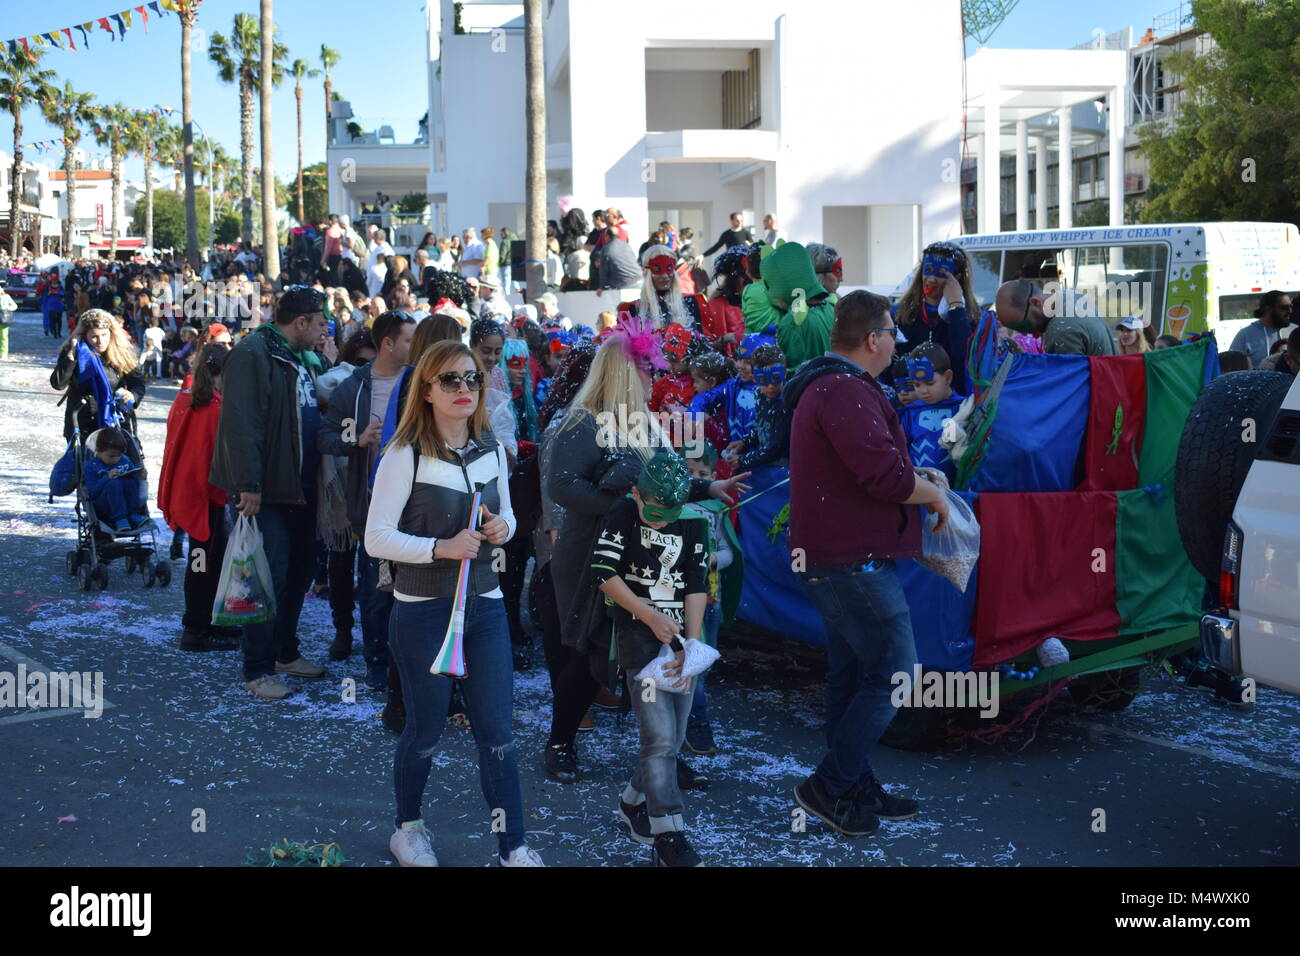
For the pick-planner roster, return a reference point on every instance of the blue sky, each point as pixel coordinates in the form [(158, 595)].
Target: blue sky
[(382, 70)]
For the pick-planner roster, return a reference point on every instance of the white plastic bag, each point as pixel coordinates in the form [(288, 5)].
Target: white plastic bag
[(952, 552), (699, 658), (245, 592)]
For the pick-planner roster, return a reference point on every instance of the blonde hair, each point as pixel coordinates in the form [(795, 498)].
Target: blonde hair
[(120, 353), (418, 424), (607, 320), (613, 381), (1139, 346), (400, 265), (649, 307)]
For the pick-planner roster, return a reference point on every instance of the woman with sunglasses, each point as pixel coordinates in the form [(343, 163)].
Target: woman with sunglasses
[(419, 519)]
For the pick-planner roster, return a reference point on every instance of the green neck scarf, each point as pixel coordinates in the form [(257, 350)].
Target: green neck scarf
[(305, 357)]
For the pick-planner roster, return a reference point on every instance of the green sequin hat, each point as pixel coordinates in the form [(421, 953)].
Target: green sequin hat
[(665, 479)]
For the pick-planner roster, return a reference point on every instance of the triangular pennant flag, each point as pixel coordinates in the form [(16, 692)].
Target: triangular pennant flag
[(144, 17), (171, 5), (13, 47), (155, 8), (120, 25), (39, 41), (126, 16), (26, 48), (103, 22), (85, 38), (67, 31), (52, 39)]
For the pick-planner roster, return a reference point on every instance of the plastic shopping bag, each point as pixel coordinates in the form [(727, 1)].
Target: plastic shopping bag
[(245, 592), (699, 658), (952, 552)]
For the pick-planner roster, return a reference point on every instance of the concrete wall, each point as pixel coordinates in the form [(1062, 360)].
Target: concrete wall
[(683, 100)]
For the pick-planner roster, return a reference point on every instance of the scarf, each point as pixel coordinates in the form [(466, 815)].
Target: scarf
[(306, 357), (332, 525), (93, 379)]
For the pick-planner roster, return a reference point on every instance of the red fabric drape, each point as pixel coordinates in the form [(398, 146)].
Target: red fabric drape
[(1041, 574), (1118, 381)]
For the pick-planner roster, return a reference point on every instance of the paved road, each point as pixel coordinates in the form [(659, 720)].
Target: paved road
[(1182, 780)]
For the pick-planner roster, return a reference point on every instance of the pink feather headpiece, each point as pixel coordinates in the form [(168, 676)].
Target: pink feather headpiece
[(640, 346)]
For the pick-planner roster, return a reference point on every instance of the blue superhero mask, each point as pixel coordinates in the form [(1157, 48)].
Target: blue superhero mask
[(910, 370), (769, 374), (936, 264)]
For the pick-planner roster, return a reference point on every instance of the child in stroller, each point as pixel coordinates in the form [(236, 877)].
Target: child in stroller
[(117, 488), (113, 511)]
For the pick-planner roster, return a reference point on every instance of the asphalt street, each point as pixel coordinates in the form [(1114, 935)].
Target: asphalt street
[(1182, 779)]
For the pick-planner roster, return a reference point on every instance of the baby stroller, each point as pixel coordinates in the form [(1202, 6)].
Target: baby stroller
[(98, 542)]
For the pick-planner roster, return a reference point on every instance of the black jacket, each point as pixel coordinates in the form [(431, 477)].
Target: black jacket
[(259, 445), (81, 403), (346, 418)]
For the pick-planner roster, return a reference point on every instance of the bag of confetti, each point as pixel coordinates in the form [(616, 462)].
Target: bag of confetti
[(952, 552)]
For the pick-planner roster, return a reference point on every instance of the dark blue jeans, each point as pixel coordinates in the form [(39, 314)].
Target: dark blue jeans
[(376, 607), (416, 633), (868, 640), (289, 540), (119, 498)]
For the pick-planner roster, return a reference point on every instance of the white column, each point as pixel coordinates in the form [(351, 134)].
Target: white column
[(1022, 175), (1115, 189), (990, 163), (1040, 184), (1065, 169), (981, 180)]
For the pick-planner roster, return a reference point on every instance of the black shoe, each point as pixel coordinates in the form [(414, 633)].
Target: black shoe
[(341, 646), (637, 819), (844, 814), (885, 805), (562, 763), (192, 640), (699, 739), (395, 714), (688, 779), (377, 677), (229, 633), (671, 849), (178, 545)]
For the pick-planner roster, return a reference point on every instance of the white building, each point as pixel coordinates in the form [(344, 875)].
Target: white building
[(821, 113), (94, 201), (39, 230)]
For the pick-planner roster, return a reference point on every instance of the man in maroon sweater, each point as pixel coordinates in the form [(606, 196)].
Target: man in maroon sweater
[(852, 495)]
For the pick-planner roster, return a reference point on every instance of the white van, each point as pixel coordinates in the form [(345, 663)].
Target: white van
[(1183, 277)]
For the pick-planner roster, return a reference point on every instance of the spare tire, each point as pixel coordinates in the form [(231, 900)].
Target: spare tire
[(1213, 458)]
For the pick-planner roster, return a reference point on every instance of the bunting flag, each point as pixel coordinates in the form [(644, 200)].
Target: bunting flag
[(115, 24)]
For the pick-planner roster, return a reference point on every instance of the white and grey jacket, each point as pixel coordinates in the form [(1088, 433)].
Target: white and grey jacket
[(412, 507)]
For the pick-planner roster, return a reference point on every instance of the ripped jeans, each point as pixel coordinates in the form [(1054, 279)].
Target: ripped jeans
[(416, 631)]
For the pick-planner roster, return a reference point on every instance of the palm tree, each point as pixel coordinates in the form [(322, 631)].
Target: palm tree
[(328, 60), (270, 243), (188, 10), (238, 60), (300, 72), (169, 151), (21, 81), (535, 70), (143, 137), (67, 109), (114, 128)]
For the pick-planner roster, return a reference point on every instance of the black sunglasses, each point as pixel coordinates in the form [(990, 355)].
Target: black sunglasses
[(451, 381)]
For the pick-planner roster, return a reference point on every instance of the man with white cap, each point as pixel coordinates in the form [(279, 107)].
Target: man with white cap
[(490, 298), (549, 307)]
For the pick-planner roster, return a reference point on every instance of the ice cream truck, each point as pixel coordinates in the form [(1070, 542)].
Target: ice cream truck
[(1182, 278)]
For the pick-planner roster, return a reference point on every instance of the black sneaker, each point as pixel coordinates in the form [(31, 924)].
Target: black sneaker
[(637, 819), (844, 814), (688, 779), (377, 677), (671, 849), (699, 738), (341, 647), (562, 763), (884, 804), (192, 640)]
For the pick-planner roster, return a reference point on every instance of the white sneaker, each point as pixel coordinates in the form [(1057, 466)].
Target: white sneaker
[(268, 688), (411, 845), (521, 856)]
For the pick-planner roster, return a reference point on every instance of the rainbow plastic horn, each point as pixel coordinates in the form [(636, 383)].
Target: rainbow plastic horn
[(451, 656)]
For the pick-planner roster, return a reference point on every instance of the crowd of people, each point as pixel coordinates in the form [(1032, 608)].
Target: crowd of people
[(356, 413)]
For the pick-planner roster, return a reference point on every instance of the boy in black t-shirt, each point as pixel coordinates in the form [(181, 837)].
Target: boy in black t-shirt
[(653, 569)]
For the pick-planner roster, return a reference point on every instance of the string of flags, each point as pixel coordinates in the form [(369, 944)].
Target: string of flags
[(114, 24), (62, 143)]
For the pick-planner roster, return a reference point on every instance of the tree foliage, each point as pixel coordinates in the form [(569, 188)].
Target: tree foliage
[(169, 219), (315, 194), (1231, 153)]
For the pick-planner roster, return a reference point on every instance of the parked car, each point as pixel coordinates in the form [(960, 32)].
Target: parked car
[(1237, 498), (21, 287)]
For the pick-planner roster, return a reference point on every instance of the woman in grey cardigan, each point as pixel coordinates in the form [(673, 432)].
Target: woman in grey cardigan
[(594, 462)]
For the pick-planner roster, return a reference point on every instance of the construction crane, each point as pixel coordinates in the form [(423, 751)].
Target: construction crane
[(981, 18)]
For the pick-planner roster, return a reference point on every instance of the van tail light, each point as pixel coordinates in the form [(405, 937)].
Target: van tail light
[(1230, 569)]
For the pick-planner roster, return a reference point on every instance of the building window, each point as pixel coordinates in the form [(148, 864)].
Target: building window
[(740, 96)]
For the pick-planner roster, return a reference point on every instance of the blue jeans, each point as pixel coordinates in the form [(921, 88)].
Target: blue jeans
[(119, 498), (376, 607), (868, 640), (708, 634), (416, 633), (662, 723), (289, 541)]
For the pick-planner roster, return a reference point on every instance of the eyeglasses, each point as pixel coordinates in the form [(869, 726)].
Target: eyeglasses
[(891, 329), (451, 382)]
